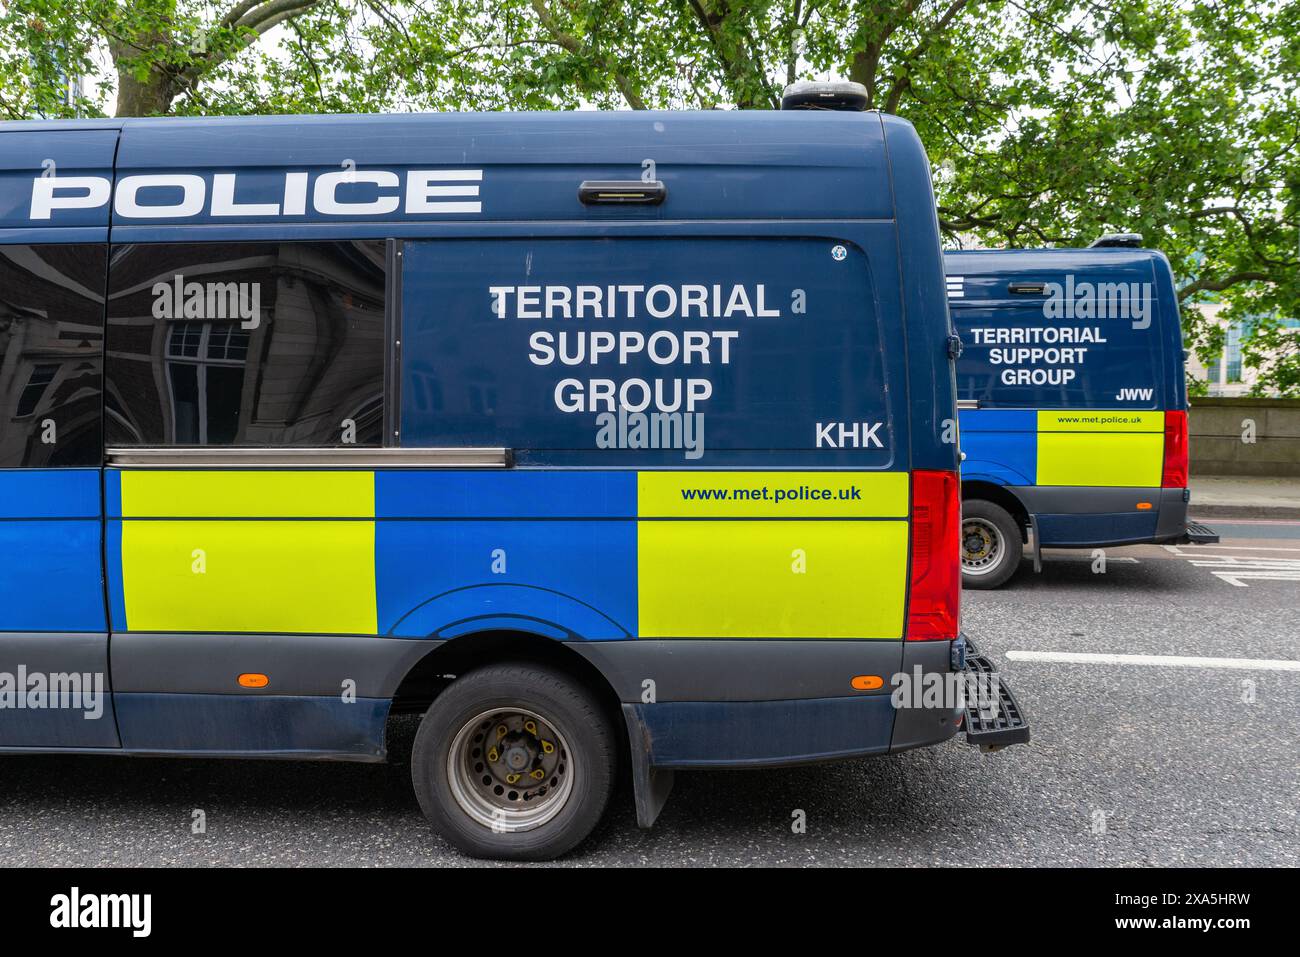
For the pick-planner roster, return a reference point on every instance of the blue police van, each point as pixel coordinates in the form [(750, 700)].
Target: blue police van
[(1073, 402), (602, 441)]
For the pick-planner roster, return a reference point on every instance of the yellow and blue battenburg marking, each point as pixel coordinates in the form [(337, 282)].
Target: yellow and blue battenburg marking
[(1084, 448), (570, 554)]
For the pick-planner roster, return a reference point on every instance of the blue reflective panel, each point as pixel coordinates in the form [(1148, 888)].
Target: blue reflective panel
[(49, 551)]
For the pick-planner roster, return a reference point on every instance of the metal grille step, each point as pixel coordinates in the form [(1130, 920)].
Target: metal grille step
[(989, 730)]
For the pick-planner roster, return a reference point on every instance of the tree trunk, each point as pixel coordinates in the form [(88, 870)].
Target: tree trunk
[(152, 97), (144, 85)]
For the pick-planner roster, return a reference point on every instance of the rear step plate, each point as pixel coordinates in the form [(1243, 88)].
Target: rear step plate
[(1198, 534), (990, 725)]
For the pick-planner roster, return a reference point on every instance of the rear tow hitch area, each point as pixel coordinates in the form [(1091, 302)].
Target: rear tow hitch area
[(993, 718), (1198, 534)]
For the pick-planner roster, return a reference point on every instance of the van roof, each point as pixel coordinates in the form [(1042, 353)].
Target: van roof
[(746, 164), (750, 138), (1014, 261)]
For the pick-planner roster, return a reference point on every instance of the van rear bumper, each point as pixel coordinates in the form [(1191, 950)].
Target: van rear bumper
[(1090, 517)]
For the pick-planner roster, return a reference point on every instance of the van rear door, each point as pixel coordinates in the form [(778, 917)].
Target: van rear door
[(743, 388)]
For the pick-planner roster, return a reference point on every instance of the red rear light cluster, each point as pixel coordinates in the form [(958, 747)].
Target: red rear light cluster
[(1174, 474), (934, 601)]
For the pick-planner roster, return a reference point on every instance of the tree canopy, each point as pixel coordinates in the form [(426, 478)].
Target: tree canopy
[(1048, 122)]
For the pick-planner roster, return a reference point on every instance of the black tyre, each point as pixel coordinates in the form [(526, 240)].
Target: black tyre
[(991, 546), (514, 762)]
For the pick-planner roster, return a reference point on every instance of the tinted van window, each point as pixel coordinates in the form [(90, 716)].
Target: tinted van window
[(246, 344), (645, 351), (51, 351), (1054, 338)]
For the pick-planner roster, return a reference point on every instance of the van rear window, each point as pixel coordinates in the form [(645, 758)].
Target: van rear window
[(644, 351), (1060, 341)]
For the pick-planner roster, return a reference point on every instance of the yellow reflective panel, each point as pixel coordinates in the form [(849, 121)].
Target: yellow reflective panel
[(1101, 448), (219, 493), (772, 579), (260, 576)]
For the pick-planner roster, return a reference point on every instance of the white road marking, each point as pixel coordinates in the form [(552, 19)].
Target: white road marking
[(1192, 549), (1175, 661), (1055, 557), (1238, 578), (1237, 570)]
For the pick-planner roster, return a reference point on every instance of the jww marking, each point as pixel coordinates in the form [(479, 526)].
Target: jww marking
[(179, 299), (186, 195)]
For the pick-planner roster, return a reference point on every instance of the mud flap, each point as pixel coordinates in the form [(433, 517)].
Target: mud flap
[(650, 786), (1038, 548)]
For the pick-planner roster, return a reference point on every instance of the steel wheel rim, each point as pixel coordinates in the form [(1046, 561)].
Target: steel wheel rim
[(982, 546), (481, 781)]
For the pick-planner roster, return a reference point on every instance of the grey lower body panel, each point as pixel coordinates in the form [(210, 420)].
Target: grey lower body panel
[(739, 669), (1091, 517), (919, 726), (299, 665), (736, 703), (55, 691), (327, 696), (282, 725)]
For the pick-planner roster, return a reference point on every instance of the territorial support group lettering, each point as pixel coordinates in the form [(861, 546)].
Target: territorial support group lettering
[(634, 411)]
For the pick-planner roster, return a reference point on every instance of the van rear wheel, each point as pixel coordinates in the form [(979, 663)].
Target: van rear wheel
[(514, 762), (990, 544)]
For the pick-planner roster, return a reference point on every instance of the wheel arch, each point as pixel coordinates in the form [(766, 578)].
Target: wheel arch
[(1001, 496), (456, 656)]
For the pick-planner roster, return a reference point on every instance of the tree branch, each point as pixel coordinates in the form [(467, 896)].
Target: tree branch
[(254, 19), (902, 80), (1218, 285), (737, 65), (570, 43)]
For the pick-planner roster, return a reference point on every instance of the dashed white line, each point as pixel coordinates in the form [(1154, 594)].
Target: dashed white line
[(1173, 661)]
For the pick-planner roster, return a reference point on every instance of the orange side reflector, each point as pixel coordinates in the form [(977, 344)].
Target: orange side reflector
[(253, 680), (1143, 506), (867, 682)]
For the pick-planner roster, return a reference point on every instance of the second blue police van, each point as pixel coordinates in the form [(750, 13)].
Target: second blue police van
[(1073, 402)]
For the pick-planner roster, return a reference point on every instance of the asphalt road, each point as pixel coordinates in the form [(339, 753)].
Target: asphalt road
[(1130, 764)]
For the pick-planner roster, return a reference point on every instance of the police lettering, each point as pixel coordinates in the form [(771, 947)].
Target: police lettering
[(344, 192)]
